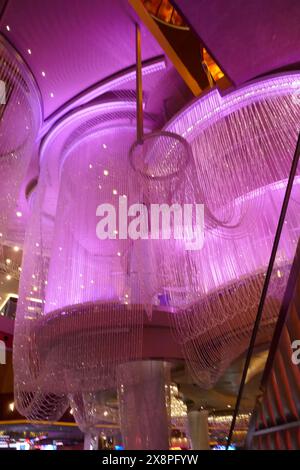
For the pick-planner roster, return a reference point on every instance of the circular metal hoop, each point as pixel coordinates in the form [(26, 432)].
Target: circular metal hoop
[(154, 135)]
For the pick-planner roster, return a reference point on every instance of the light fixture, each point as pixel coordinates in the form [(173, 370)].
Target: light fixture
[(104, 146), (11, 406), (19, 214), (119, 254), (7, 27), (8, 277), (29, 51), (16, 248), (8, 261), (106, 172), (51, 95), (43, 74), (115, 192)]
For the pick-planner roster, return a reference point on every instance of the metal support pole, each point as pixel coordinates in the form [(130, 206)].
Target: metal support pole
[(139, 88)]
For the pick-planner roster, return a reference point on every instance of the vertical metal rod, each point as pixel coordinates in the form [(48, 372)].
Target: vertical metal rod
[(265, 287), (139, 88)]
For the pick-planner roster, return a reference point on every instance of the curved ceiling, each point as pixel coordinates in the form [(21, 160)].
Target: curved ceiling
[(72, 44)]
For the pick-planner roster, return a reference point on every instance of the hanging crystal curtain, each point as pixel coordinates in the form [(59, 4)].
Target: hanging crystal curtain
[(83, 296), (20, 118), (242, 146), (35, 397), (81, 311)]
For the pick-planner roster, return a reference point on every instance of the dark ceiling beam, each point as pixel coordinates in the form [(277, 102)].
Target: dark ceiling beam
[(170, 48)]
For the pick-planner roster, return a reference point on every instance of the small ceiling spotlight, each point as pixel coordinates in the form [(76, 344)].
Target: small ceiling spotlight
[(8, 277), (19, 214), (29, 51), (7, 27), (106, 172)]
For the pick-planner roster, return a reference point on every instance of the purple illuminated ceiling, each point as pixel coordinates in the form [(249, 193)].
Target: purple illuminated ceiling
[(76, 43), (247, 39)]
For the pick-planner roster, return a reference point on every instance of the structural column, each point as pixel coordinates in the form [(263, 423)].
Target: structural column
[(90, 442), (198, 429), (142, 401)]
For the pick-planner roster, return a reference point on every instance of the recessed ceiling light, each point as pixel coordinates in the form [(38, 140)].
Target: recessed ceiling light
[(29, 51), (16, 248), (90, 166), (104, 146), (119, 254), (51, 95), (8, 277), (8, 27), (8, 261), (228, 406), (19, 214), (106, 172), (115, 192), (43, 73)]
